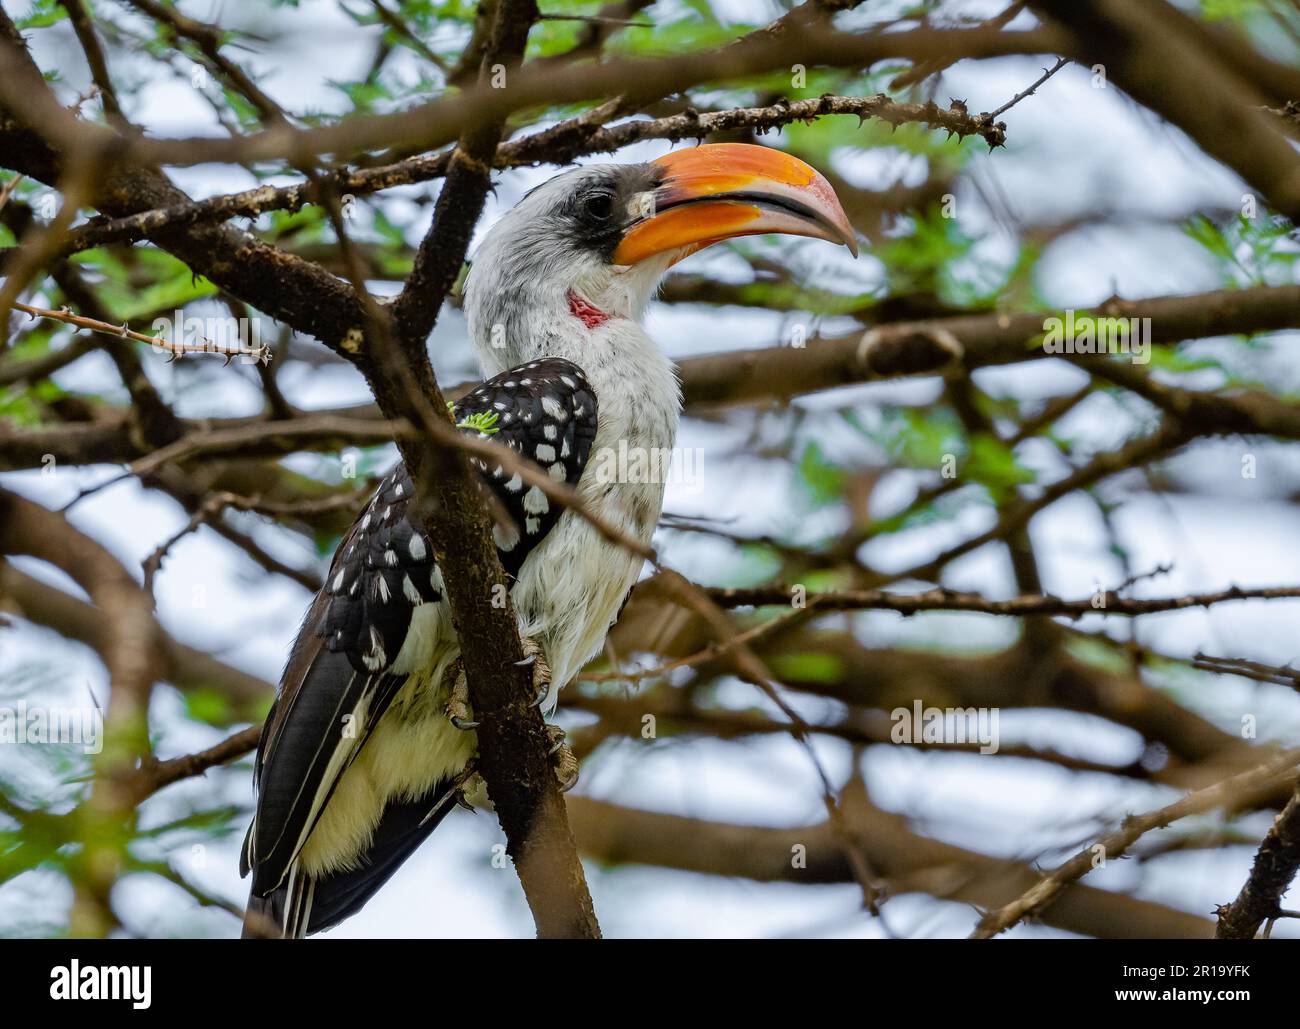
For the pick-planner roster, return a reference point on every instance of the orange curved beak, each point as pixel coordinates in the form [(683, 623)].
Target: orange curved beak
[(722, 190)]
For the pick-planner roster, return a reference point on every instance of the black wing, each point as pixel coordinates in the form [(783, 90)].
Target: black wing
[(546, 412), (335, 686)]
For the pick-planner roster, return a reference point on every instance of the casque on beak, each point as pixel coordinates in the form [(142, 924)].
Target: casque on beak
[(722, 190)]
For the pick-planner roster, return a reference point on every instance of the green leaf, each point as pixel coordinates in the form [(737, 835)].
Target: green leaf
[(810, 667), (43, 14), (208, 705), (481, 421), (823, 479), (993, 464)]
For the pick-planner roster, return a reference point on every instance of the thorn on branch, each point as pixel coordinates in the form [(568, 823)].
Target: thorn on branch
[(261, 354)]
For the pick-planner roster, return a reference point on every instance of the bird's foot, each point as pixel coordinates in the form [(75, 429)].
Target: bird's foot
[(458, 709), (458, 712), (563, 763), (473, 794), (541, 670)]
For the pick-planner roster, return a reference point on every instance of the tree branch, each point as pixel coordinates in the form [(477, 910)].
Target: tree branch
[(1237, 790), (779, 373), (1184, 80), (513, 747), (909, 862), (131, 652), (1102, 603), (558, 144), (1275, 866), (442, 120)]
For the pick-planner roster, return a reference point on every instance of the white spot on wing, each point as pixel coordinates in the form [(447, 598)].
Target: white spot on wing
[(505, 536), (375, 658), (535, 501)]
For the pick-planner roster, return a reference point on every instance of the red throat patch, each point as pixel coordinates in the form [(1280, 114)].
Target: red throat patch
[(588, 313)]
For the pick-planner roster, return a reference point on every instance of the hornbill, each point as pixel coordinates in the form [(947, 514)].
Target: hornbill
[(371, 736)]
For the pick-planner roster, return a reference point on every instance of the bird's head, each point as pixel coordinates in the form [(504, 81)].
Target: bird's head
[(592, 244)]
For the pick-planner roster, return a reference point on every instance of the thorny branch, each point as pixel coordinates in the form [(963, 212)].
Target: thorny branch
[(176, 348), (558, 144)]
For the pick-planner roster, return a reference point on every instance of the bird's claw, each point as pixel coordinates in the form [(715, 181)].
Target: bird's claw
[(563, 763), (458, 712), (458, 709), (541, 670)]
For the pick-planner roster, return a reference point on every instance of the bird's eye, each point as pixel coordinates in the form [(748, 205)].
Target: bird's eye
[(598, 205)]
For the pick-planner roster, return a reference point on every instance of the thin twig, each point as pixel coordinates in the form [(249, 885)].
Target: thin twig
[(1232, 790), (175, 349), (1101, 603), (595, 19), (399, 26), (6, 191), (1277, 675), (1061, 62)]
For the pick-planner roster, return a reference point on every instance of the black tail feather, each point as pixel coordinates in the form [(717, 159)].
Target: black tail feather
[(315, 905)]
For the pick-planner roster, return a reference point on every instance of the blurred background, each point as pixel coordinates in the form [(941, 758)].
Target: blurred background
[(1091, 197)]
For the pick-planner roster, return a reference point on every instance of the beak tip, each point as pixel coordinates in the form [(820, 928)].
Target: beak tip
[(736, 189)]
